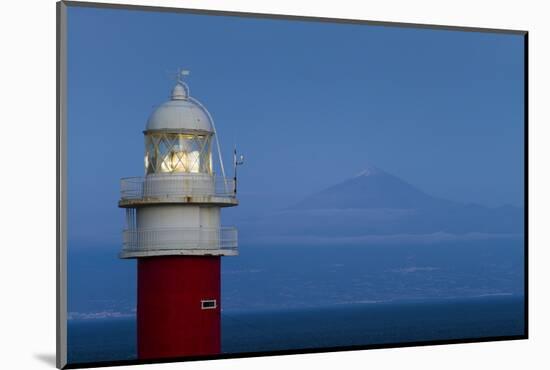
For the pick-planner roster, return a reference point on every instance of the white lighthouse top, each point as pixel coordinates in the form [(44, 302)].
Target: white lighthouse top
[(181, 112)]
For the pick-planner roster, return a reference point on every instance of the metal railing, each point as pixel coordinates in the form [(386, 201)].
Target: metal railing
[(224, 238), (176, 185)]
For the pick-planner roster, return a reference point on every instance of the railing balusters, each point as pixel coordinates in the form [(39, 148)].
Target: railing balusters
[(170, 238), (176, 185)]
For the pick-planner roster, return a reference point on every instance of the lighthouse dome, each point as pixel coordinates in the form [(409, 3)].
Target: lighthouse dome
[(181, 112)]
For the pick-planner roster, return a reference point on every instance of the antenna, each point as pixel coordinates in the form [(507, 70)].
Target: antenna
[(236, 162)]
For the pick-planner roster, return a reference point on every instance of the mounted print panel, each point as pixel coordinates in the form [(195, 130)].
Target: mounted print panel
[(245, 184)]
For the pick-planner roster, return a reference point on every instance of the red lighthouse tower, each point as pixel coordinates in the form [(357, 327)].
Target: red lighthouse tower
[(173, 229)]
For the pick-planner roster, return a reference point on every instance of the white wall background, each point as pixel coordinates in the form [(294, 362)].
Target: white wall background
[(27, 267)]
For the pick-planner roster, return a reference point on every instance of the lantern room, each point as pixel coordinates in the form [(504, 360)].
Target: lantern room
[(178, 136)]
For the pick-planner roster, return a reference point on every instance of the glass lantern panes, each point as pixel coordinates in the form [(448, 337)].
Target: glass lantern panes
[(178, 152)]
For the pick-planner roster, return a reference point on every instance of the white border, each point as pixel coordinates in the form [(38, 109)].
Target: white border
[(28, 206)]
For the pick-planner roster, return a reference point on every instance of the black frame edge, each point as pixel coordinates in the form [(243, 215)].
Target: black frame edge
[(526, 180)]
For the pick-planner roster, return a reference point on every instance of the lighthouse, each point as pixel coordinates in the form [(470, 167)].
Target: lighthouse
[(173, 229)]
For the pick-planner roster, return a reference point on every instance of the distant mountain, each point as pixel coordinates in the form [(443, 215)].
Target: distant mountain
[(375, 205), (372, 188)]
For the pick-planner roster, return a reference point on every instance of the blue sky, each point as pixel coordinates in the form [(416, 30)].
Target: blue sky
[(310, 104)]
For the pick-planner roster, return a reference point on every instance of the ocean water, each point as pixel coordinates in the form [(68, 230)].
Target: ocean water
[(367, 323), (285, 277)]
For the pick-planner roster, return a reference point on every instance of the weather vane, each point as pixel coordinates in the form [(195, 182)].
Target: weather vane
[(179, 74), (182, 72)]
